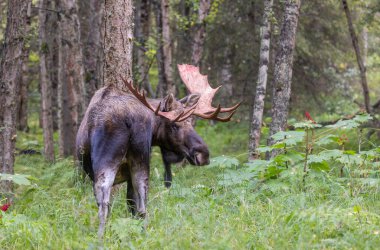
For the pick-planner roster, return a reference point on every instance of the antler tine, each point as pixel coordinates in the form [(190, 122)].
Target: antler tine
[(170, 115), (233, 108), (197, 83), (225, 119), (186, 115), (139, 95), (213, 115)]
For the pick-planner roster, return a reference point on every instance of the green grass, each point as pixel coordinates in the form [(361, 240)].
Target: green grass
[(59, 211)]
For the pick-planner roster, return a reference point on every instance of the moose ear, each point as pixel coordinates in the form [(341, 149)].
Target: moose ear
[(189, 100), (168, 103)]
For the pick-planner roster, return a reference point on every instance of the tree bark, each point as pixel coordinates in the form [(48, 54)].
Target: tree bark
[(161, 86), (12, 58), (167, 47), (45, 80), (118, 42), (22, 114), (142, 27), (258, 105), (200, 32), (164, 50), (362, 68), (53, 60), (91, 22), (70, 77), (283, 70)]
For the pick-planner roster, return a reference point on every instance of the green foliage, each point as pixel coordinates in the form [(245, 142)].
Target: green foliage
[(228, 205), (19, 179)]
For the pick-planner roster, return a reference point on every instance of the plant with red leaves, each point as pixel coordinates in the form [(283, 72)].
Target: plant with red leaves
[(308, 117), (5, 207)]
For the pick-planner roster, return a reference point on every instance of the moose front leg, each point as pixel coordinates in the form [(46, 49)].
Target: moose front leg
[(138, 189), (168, 175)]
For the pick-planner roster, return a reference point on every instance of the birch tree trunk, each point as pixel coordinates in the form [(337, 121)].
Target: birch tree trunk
[(70, 77), (200, 32), (362, 68), (45, 81), (118, 42), (91, 23), (283, 70), (261, 87), (12, 57)]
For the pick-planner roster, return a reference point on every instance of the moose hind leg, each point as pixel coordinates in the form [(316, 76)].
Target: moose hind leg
[(107, 152), (102, 189)]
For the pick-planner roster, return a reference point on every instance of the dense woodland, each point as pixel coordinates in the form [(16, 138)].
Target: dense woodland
[(297, 165)]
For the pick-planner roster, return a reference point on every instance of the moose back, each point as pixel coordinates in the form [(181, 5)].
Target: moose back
[(118, 130)]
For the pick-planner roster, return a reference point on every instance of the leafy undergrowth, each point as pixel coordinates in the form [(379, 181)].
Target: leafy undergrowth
[(226, 205)]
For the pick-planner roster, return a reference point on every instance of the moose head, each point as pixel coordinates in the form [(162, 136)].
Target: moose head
[(176, 135)]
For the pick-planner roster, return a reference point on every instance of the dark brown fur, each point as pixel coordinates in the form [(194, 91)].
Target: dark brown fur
[(114, 144)]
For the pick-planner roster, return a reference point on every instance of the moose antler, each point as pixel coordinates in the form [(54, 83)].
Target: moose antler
[(197, 83), (171, 115)]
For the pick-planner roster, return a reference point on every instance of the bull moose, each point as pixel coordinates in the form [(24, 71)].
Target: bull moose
[(119, 128)]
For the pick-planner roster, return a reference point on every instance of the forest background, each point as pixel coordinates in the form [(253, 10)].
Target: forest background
[(319, 188)]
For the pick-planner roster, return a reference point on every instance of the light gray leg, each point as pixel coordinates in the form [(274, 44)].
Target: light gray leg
[(102, 189)]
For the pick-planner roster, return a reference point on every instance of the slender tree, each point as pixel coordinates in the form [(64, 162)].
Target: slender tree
[(362, 68), (167, 47), (71, 87), (164, 49), (22, 114), (118, 42), (258, 105), (45, 48), (283, 69), (200, 32), (142, 30), (91, 23), (12, 57)]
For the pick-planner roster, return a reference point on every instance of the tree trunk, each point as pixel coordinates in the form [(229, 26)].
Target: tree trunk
[(10, 70), (200, 32), (70, 77), (142, 27), (53, 61), (45, 81), (261, 87), (167, 47), (22, 114), (160, 91), (91, 22), (118, 42), (283, 70), (362, 68)]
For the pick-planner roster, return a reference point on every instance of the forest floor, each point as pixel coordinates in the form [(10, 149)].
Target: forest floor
[(200, 210)]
